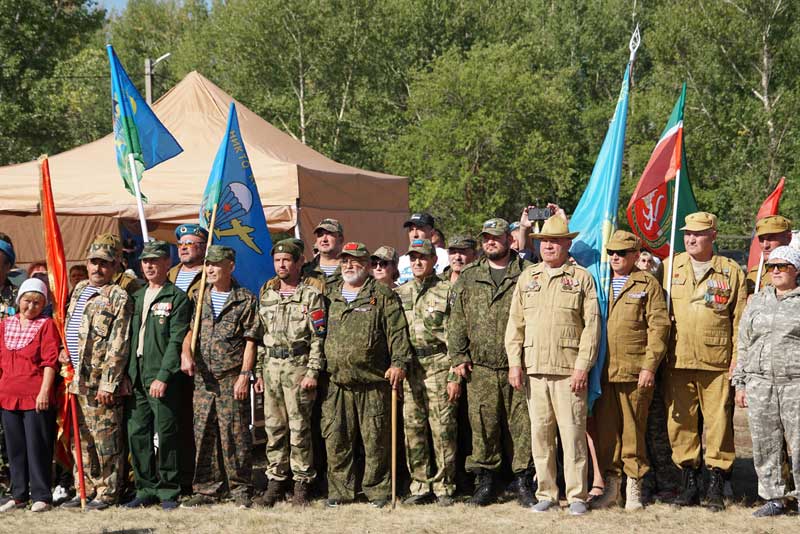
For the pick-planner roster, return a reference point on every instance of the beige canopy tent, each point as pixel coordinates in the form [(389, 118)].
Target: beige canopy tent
[(291, 177)]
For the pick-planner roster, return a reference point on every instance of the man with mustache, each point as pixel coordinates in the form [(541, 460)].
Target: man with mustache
[(460, 252), (498, 415), (291, 314), (367, 344), (329, 235)]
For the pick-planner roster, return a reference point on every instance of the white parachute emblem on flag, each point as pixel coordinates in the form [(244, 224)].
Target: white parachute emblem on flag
[(235, 202)]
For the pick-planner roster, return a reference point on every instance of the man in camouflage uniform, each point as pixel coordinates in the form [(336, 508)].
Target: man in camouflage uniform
[(222, 364), (772, 232), (461, 251), (498, 414), (367, 343), (291, 313), (429, 401), (97, 332), (8, 304), (329, 240), (708, 297)]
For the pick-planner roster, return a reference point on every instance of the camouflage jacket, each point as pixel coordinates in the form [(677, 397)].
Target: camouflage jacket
[(221, 340), (366, 336), (8, 300), (427, 308), (769, 338), (103, 338), (479, 314), (127, 282), (294, 323), (311, 270)]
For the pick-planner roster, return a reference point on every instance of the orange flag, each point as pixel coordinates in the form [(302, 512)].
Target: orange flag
[(59, 289), (769, 207)]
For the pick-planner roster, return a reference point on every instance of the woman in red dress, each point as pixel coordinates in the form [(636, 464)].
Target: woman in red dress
[(29, 346)]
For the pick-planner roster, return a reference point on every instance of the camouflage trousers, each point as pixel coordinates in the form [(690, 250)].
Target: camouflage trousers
[(350, 413), (430, 417), (224, 463), (773, 413), (498, 416), (287, 418), (102, 447), (665, 473)]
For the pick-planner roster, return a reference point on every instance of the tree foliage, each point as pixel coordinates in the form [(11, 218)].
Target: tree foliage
[(485, 104)]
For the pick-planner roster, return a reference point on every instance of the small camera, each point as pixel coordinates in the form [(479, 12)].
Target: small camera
[(539, 214)]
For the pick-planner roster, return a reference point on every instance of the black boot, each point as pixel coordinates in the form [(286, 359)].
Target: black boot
[(690, 491), (525, 496), (276, 491), (484, 489), (714, 500)]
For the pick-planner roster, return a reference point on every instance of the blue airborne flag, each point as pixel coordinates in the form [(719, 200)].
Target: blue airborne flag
[(137, 130), (240, 222), (596, 219)]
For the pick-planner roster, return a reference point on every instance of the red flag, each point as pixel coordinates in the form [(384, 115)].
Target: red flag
[(59, 289), (769, 207)]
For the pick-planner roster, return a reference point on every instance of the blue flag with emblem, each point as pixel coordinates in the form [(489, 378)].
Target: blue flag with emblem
[(240, 222), (137, 130), (595, 217)]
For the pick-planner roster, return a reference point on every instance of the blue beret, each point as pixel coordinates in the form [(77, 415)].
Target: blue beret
[(6, 248), (191, 229)]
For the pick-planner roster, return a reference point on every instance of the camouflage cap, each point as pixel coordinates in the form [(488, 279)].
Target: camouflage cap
[(495, 227), (622, 240), (154, 249), (219, 252), (106, 247), (699, 221), (773, 224), (357, 250), (287, 246), (462, 242), (191, 229), (421, 246), (331, 225), (386, 253)]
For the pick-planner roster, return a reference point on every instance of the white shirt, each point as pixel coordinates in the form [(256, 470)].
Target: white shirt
[(404, 265)]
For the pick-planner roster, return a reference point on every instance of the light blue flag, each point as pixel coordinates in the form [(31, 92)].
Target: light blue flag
[(137, 130), (240, 222), (596, 219)]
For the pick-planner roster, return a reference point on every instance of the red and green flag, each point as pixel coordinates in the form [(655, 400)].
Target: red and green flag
[(650, 209)]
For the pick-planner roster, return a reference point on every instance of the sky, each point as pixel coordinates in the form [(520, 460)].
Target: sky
[(113, 5)]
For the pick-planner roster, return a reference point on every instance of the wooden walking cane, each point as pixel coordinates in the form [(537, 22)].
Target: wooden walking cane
[(199, 309), (394, 446)]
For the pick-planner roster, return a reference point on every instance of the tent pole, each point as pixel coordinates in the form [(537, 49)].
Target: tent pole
[(297, 218), (139, 205)]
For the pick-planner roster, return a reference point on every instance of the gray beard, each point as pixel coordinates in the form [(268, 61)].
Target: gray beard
[(355, 279)]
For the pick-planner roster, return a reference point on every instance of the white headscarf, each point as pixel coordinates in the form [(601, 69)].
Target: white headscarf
[(786, 253), (32, 285)]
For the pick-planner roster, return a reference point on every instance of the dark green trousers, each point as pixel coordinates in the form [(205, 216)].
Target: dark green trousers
[(156, 476)]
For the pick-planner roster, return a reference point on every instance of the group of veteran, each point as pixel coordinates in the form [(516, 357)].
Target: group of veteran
[(327, 341)]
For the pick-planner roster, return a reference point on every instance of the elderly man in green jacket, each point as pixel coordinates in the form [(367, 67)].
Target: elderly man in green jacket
[(160, 321)]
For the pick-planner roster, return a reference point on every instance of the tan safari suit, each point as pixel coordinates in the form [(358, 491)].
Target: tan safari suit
[(554, 328), (706, 315), (638, 328)]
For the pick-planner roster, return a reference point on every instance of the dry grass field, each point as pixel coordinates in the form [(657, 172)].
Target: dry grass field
[(506, 518)]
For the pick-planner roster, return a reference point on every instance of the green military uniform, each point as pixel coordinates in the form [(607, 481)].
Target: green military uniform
[(166, 324), (498, 414), (364, 338), (311, 269), (223, 442), (293, 329), (103, 351), (428, 415), (706, 312)]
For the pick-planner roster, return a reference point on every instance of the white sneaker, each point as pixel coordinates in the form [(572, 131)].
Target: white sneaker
[(41, 506), (60, 494), (633, 494), (11, 504)]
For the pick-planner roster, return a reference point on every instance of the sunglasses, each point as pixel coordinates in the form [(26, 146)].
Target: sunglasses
[(190, 244), (380, 263), (782, 267), (620, 253)]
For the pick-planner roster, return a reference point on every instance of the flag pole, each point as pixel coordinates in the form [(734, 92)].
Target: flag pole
[(760, 270), (200, 292), (672, 233), (139, 205)]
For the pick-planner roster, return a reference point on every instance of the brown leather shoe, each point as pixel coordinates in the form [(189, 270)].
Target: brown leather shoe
[(300, 494)]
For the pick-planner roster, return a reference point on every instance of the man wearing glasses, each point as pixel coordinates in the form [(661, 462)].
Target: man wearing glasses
[(708, 298), (192, 240), (638, 328)]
